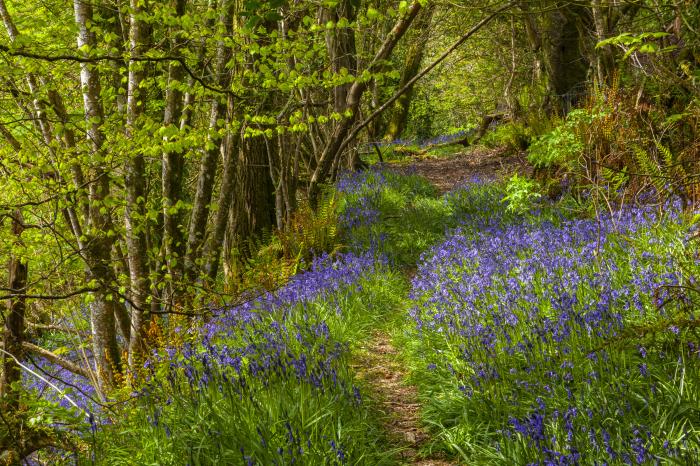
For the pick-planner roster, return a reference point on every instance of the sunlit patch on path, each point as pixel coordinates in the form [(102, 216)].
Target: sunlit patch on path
[(446, 172)]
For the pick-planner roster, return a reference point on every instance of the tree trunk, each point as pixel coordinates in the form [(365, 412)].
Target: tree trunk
[(99, 245), (254, 204), (414, 57), (226, 195), (565, 62), (340, 44), (603, 56), (534, 37), (173, 165), (13, 336), (135, 210), (208, 165)]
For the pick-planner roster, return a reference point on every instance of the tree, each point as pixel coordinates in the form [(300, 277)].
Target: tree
[(414, 57)]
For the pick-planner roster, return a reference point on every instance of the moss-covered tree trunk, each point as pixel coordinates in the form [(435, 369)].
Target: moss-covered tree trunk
[(566, 64), (13, 334), (414, 57)]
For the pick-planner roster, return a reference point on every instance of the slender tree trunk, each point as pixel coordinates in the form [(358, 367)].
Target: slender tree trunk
[(99, 244), (512, 100), (603, 55), (93, 243), (340, 44), (173, 164), (207, 169), (135, 210), (534, 38), (214, 246)]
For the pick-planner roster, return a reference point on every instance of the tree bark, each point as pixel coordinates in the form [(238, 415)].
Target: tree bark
[(13, 335), (334, 146), (209, 163), (412, 63), (99, 245), (340, 44), (565, 63), (254, 203), (135, 210), (226, 196), (173, 164), (603, 55)]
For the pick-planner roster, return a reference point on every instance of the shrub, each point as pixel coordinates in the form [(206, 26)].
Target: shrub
[(514, 136), (521, 193)]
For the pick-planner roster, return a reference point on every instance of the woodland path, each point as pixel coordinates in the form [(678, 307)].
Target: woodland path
[(379, 363), (446, 172)]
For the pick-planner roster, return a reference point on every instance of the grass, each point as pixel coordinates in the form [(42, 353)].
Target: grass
[(536, 337), (266, 383), (540, 342)]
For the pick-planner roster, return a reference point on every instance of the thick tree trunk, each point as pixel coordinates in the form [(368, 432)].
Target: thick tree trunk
[(254, 202), (253, 209), (564, 60), (411, 67), (13, 334)]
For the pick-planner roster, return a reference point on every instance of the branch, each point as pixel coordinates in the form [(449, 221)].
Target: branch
[(57, 328), (47, 296), (99, 58), (56, 359), (425, 71)]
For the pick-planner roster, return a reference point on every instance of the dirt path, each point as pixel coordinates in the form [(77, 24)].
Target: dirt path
[(380, 366), (446, 172), (379, 362)]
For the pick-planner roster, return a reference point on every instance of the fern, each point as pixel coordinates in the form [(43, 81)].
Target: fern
[(615, 178), (650, 168), (666, 154)]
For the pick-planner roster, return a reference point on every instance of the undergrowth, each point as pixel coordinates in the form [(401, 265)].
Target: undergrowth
[(266, 382), (541, 339)]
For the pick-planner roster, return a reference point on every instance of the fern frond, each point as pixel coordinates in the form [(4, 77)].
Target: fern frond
[(666, 154), (649, 167)]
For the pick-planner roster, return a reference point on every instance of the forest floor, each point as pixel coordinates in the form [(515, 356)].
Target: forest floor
[(445, 172), (379, 362), (381, 367)]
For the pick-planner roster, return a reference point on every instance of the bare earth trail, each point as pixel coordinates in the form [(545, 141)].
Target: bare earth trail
[(379, 363), (446, 172)]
